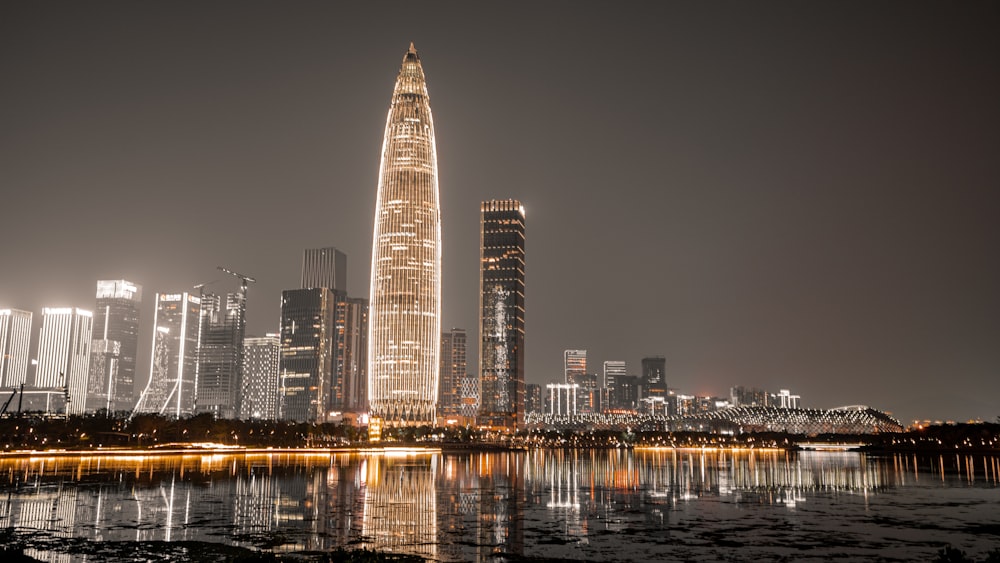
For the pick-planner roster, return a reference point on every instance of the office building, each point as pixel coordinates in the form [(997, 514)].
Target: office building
[(173, 367), (115, 346), (654, 378), (453, 369), (220, 354), (470, 397), (405, 308), (574, 365), (614, 371), (501, 314), (64, 354), (324, 267), (15, 342), (532, 398), (306, 364), (741, 396), (260, 376), (352, 316), (628, 393)]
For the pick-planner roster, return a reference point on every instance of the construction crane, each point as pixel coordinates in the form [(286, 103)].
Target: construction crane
[(9, 399), (200, 286), (243, 278)]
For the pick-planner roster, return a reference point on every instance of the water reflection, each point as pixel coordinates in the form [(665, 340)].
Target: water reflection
[(454, 507)]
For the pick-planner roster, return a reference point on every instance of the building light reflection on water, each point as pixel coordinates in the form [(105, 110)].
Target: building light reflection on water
[(446, 507)]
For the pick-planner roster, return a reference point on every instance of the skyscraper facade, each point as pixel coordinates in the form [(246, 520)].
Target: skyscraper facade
[(405, 306), (453, 368), (220, 354), (173, 366), (260, 374), (533, 398), (501, 314), (324, 267), (354, 366), (308, 328), (15, 342), (614, 372), (115, 345), (654, 378), (574, 365), (64, 353)]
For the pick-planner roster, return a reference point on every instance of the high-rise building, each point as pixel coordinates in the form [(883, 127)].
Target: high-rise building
[(115, 345), (335, 381), (15, 341), (173, 365), (654, 378), (533, 398), (741, 396), (64, 354), (614, 371), (324, 267), (353, 316), (308, 338), (260, 375), (501, 314), (220, 354), (405, 314), (470, 397), (347, 384), (453, 369), (628, 393), (574, 365)]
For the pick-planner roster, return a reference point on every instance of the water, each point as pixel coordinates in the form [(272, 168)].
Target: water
[(598, 505)]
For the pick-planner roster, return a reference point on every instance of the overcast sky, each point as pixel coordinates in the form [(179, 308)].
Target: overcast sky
[(800, 195)]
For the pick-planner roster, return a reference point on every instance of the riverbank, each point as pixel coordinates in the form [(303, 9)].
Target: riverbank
[(38, 435)]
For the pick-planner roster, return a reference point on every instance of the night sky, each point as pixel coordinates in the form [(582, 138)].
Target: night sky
[(799, 195)]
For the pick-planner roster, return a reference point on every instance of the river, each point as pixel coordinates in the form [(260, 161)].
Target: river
[(597, 505)]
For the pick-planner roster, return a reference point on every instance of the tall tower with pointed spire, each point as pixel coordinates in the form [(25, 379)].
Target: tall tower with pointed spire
[(405, 308)]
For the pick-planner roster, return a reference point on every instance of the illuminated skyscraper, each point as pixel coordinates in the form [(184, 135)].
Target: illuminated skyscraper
[(614, 373), (15, 338), (654, 378), (260, 374), (405, 322), (352, 315), (220, 354), (574, 365), (501, 314), (173, 366), (64, 353), (115, 345), (308, 337), (453, 368), (533, 398)]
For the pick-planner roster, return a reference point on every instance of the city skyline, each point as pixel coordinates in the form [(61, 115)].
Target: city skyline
[(817, 218)]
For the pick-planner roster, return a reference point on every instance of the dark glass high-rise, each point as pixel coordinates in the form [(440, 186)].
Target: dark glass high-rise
[(501, 314)]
